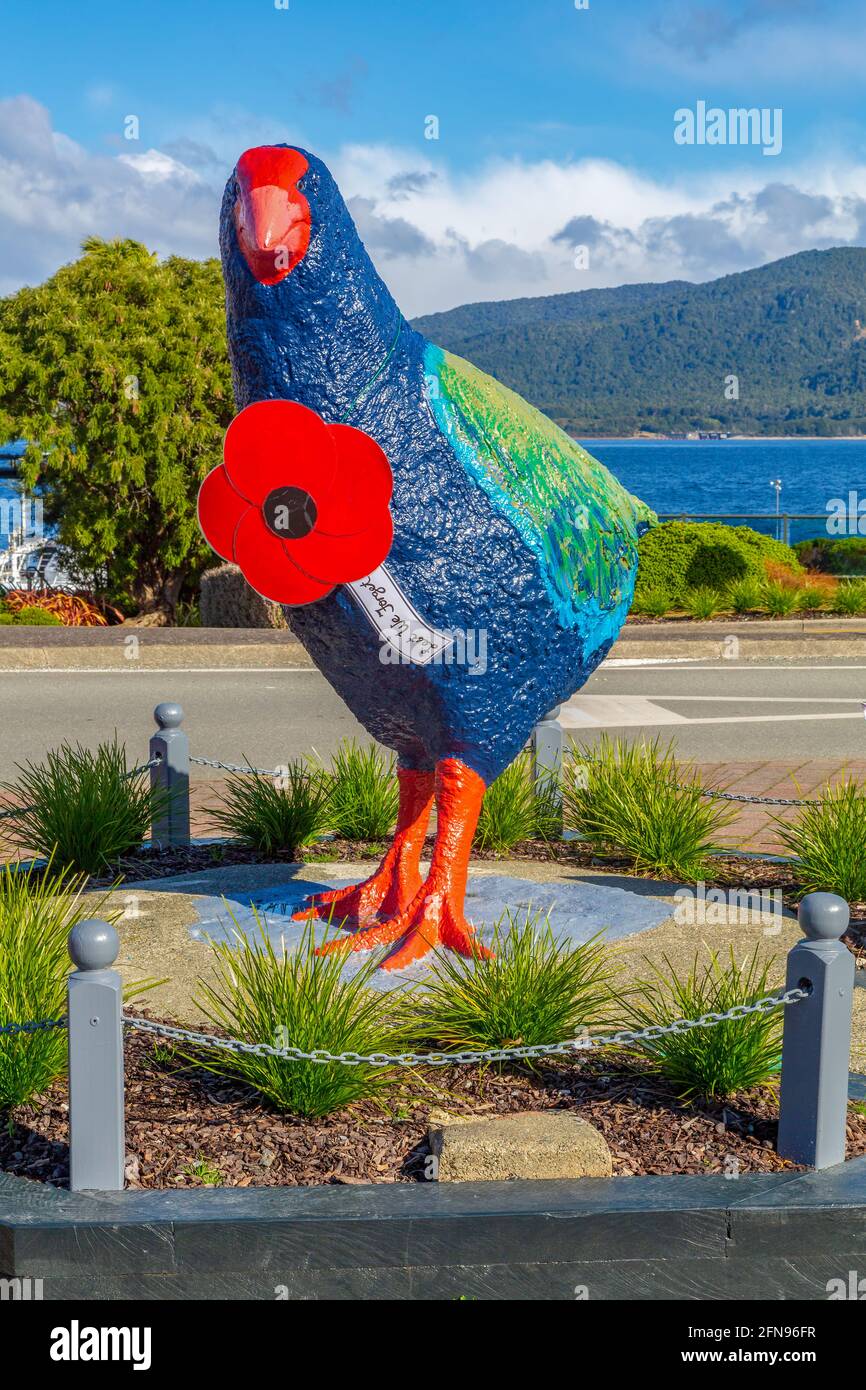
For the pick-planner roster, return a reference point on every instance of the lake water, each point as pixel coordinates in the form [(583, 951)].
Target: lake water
[(731, 475)]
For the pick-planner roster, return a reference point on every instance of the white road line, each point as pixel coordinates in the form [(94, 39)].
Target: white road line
[(762, 699)]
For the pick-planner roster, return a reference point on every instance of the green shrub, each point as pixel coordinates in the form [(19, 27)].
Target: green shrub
[(270, 814), (299, 1000), (82, 808), (533, 990), (828, 841), (682, 555), (712, 1062), (363, 793), (6, 619), (636, 800), (515, 808), (833, 554), (850, 598), (33, 616), (655, 603), (811, 599), (37, 912), (744, 595), (703, 603), (778, 599)]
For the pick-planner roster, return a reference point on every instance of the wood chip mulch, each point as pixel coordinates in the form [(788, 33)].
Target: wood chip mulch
[(188, 1128)]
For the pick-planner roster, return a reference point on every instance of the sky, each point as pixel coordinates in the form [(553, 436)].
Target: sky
[(566, 150)]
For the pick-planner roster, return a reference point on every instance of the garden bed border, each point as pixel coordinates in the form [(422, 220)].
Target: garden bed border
[(758, 1237)]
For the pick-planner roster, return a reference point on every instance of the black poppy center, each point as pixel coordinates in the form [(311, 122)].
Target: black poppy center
[(289, 512)]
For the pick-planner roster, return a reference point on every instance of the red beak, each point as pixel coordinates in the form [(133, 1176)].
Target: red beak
[(272, 216)]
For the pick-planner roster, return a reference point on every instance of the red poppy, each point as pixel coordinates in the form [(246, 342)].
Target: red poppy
[(299, 505)]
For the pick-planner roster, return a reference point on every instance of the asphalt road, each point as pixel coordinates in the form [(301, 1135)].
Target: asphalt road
[(722, 711)]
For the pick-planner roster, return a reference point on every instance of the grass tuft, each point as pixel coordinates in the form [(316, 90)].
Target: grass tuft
[(37, 913), (637, 800), (828, 842), (706, 1063), (275, 814), (516, 808), (363, 792), (82, 807), (298, 1000), (533, 990)]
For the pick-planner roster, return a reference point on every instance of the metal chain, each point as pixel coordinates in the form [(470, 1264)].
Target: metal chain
[(33, 1027), (718, 795), (447, 1059), (236, 767)]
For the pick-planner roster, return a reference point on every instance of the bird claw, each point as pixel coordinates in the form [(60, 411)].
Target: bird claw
[(431, 919)]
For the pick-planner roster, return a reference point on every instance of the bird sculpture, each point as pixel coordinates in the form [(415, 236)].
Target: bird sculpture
[(407, 510)]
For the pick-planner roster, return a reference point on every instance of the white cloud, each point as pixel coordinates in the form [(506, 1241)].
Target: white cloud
[(505, 229)]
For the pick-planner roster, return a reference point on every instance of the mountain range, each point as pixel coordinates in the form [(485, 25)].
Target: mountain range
[(776, 350)]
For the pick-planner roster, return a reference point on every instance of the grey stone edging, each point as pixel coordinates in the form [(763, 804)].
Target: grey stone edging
[(762, 1237)]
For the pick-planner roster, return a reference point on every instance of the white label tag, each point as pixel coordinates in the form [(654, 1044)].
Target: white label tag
[(396, 621)]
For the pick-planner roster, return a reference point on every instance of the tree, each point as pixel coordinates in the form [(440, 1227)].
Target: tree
[(115, 370)]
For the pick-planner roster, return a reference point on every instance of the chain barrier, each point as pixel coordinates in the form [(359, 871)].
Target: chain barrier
[(678, 786), (448, 1059), (236, 767), (587, 759), (7, 1029)]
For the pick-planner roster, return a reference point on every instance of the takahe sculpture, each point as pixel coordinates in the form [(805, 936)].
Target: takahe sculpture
[(396, 499)]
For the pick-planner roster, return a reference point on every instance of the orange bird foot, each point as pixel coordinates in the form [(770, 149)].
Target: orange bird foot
[(433, 918), (385, 892), (397, 880)]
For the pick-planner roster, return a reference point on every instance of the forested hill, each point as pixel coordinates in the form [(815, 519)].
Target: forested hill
[(661, 357)]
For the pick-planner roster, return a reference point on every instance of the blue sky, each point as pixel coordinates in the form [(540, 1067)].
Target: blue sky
[(555, 131)]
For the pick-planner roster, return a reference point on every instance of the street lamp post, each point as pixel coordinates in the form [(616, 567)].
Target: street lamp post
[(777, 484)]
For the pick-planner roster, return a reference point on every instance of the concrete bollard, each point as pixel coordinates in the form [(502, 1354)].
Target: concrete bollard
[(96, 1120), (816, 1047), (171, 774)]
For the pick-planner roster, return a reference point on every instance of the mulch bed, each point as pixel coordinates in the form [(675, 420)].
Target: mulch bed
[(179, 1115)]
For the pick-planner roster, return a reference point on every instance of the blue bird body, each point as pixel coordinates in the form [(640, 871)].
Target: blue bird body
[(506, 532)]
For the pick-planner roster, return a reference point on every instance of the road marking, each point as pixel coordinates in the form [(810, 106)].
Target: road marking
[(584, 711), (765, 699)]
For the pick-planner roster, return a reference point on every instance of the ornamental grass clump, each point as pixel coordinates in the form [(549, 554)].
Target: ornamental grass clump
[(828, 843), (718, 1061), (363, 794), (637, 800), (534, 990), (779, 599), (83, 809), (275, 814), (744, 595), (653, 603), (703, 603), (850, 598), (517, 807), (37, 913), (262, 995)]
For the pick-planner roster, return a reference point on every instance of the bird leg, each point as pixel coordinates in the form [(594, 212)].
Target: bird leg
[(435, 914), (396, 881)]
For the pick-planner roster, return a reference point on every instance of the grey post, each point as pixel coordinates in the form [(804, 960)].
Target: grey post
[(547, 747), (96, 1127), (171, 774), (817, 1037)]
